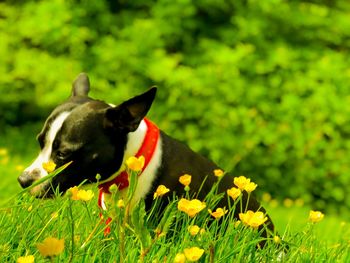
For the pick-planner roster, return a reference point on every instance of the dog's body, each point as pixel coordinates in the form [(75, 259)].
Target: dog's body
[(98, 138)]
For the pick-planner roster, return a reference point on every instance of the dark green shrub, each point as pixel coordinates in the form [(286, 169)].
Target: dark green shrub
[(259, 86)]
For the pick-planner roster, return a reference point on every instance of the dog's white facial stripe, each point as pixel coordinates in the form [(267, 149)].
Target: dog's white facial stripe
[(44, 155)]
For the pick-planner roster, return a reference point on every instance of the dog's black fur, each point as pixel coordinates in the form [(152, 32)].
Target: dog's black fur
[(94, 136)]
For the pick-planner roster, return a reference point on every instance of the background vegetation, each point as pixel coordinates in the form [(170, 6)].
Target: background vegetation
[(261, 87)]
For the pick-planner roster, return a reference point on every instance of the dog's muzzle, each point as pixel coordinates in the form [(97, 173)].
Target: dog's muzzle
[(27, 178)]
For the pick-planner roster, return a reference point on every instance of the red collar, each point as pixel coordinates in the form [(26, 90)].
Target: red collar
[(147, 149)]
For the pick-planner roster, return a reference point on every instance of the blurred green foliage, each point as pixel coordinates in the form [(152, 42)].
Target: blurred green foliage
[(261, 87)]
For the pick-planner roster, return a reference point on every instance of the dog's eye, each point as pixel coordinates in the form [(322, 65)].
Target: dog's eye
[(61, 155)]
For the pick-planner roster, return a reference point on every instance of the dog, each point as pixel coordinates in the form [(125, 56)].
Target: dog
[(97, 138)]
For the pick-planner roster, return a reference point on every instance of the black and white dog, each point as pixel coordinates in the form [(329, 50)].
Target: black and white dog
[(98, 138)]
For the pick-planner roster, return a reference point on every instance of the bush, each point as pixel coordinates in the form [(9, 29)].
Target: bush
[(259, 86)]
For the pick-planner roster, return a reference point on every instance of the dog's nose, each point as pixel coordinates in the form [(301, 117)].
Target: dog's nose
[(26, 179)]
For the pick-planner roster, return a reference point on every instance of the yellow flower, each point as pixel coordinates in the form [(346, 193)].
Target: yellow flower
[(234, 192), (266, 197), (185, 179), (277, 239), (51, 247), (49, 166), (73, 191), (19, 168), (77, 194), (190, 207), (218, 213), (120, 203), (250, 187), (180, 258), (26, 259), (85, 195), (288, 202), (193, 254), (315, 216), (135, 164), (252, 219), (218, 172), (3, 152), (241, 182), (194, 230), (161, 190)]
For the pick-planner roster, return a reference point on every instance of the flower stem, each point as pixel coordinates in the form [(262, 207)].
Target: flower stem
[(122, 228), (211, 253), (241, 204), (72, 232), (246, 205)]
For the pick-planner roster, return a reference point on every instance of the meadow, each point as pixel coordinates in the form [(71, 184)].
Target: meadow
[(26, 223)]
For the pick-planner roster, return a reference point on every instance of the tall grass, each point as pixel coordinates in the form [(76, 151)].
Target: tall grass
[(156, 236)]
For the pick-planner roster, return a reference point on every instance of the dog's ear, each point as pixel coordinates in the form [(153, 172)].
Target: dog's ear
[(128, 115), (81, 85)]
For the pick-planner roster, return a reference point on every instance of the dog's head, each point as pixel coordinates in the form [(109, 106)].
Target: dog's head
[(89, 133)]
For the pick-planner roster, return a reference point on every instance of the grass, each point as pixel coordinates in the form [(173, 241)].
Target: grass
[(153, 237), (142, 237)]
